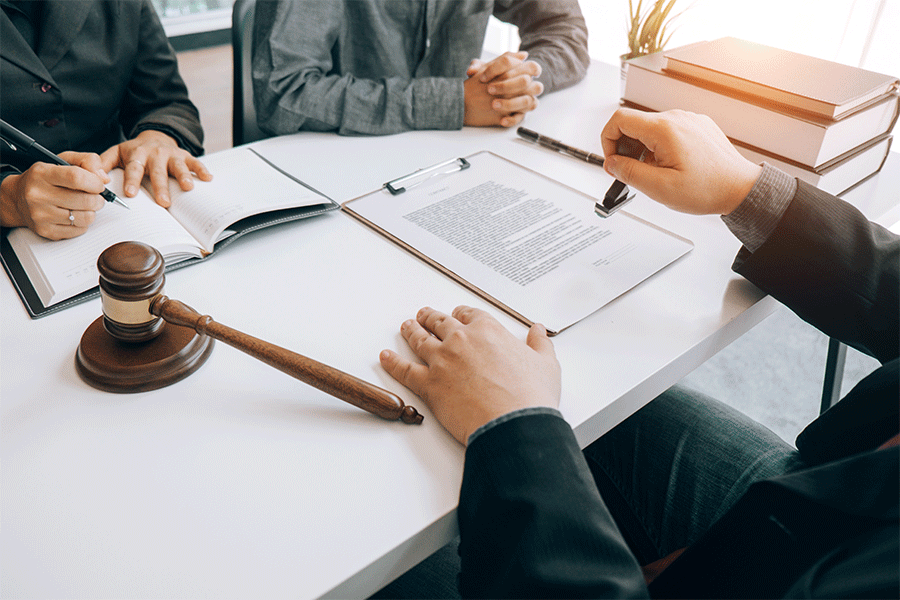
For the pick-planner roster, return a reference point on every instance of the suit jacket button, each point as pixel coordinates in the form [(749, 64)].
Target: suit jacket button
[(51, 122), (46, 87)]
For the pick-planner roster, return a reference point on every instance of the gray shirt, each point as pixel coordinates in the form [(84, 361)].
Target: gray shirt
[(387, 66)]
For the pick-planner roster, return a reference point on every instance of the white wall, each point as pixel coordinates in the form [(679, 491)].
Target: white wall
[(862, 33)]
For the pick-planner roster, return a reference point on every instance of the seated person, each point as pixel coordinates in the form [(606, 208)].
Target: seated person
[(758, 517), (97, 83), (386, 66)]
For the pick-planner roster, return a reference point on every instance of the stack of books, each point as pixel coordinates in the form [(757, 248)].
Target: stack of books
[(826, 123)]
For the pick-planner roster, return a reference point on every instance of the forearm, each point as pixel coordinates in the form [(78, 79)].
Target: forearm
[(823, 259), (532, 523), (313, 101), (555, 36), (157, 97)]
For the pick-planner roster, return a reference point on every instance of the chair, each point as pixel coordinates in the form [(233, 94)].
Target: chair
[(243, 120)]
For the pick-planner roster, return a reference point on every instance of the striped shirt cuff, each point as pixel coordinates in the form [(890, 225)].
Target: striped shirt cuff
[(754, 220), (532, 410)]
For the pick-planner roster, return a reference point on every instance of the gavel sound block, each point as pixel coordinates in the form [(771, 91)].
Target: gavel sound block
[(145, 340)]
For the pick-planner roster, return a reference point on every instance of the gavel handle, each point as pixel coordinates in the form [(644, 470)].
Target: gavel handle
[(328, 379)]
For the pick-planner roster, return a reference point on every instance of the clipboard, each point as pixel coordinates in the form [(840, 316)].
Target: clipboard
[(529, 245)]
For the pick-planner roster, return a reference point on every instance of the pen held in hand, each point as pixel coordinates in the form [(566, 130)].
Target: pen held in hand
[(24, 143)]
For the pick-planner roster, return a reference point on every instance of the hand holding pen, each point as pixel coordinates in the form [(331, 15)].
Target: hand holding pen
[(58, 196)]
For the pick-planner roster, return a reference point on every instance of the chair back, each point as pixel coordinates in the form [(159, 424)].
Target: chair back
[(243, 120)]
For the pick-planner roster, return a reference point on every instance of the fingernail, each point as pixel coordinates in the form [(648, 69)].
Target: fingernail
[(492, 90), (496, 105), (611, 165), (130, 190), (385, 355)]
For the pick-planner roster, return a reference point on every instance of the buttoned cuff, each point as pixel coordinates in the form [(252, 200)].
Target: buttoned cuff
[(754, 220), (533, 410)]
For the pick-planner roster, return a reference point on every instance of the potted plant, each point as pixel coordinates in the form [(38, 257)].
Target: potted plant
[(648, 29)]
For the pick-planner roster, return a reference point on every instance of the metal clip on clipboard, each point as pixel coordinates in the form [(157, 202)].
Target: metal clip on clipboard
[(619, 194), (420, 176)]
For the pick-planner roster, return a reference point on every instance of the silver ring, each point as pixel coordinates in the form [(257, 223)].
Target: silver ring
[(71, 218), (136, 161)]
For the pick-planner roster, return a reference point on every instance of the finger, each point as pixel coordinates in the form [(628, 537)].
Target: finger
[(438, 323), (406, 372), (468, 315), (474, 67), (538, 341), (159, 183), (651, 180), (88, 161), (512, 119), (501, 64), (109, 160), (514, 105), (79, 201), (134, 173), (80, 219), (179, 171), (626, 121), (420, 341), (529, 68), (197, 166), (516, 86)]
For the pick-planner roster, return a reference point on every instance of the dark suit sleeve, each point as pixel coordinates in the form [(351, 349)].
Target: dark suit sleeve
[(157, 97), (835, 269), (532, 523), (554, 34)]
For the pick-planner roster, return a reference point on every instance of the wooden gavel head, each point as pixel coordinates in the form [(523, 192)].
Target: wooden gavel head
[(132, 274)]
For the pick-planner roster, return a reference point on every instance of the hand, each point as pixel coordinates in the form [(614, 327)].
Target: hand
[(691, 167), (501, 91), (475, 370), (157, 155), (44, 196)]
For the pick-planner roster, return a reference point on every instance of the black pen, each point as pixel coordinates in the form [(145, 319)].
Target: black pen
[(533, 136), (20, 141)]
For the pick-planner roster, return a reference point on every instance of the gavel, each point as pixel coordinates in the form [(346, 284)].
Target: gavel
[(131, 349)]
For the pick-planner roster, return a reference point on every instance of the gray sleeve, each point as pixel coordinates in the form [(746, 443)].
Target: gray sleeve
[(554, 34), (294, 87), (756, 217)]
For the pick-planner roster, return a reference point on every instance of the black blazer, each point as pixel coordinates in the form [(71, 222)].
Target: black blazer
[(103, 72), (532, 523)]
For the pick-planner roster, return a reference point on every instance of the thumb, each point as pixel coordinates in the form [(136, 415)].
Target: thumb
[(652, 181), (538, 341)]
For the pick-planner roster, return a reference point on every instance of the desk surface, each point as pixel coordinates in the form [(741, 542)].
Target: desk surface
[(242, 482)]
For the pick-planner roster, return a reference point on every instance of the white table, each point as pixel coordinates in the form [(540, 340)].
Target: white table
[(242, 482)]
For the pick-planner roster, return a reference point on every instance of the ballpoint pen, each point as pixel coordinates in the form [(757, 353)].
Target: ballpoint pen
[(543, 140), (20, 141)]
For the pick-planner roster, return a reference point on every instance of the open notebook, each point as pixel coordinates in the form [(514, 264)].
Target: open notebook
[(247, 193)]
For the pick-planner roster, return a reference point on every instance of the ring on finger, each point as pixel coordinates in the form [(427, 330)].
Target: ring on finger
[(71, 218), (136, 161)]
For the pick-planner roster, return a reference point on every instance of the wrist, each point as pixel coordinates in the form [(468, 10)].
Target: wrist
[(9, 209), (157, 137), (742, 183)]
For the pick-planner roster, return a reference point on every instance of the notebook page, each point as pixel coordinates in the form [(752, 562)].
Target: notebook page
[(243, 185)]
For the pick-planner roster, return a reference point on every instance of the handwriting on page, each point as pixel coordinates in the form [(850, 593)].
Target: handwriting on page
[(519, 239)]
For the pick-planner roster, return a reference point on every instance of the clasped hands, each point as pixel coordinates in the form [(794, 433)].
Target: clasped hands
[(501, 91), (45, 196)]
